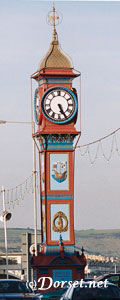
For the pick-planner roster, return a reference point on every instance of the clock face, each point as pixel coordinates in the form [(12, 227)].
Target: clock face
[(37, 106), (59, 105)]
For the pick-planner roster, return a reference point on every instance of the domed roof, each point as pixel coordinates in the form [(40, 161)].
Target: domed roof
[(55, 58)]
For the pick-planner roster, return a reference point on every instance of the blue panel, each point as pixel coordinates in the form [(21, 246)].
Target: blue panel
[(58, 197), (55, 249), (35, 114), (56, 80), (43, 271), (43, 213), (79, 270), (64, 197), (61, 146), (42, 173), (34, 275), (62, 275)]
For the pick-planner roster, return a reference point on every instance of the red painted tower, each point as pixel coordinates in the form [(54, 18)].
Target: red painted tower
[(56, 110)]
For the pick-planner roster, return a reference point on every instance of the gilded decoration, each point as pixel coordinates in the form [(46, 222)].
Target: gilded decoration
[(62, 138), (58, 224), (56, 138)]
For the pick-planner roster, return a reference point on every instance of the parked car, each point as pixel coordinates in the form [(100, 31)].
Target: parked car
[(112, 277), (89, 279), (86, 292), (56, 294), (16, 289)]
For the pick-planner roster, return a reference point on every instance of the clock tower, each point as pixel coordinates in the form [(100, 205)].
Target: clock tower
[(56, 111)]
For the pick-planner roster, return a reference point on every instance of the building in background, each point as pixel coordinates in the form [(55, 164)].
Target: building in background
[(20, 251)]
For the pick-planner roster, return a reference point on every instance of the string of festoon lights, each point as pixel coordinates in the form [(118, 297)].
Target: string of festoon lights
[(15, 196), (86, 149)]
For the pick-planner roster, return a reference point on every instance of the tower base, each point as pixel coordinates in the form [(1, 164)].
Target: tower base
[(51, 270)]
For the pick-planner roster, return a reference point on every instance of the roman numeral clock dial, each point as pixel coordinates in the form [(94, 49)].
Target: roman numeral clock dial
[(59, 105)]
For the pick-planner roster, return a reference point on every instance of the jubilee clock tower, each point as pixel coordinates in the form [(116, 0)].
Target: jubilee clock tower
[(56, 110)]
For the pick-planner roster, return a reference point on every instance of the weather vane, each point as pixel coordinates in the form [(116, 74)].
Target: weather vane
[(54, 19)]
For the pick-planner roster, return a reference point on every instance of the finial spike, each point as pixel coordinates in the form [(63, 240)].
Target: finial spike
[(54, 28), (54, 19)]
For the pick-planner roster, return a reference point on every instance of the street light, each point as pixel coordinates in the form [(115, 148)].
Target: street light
[(34, 176), (6, 216)]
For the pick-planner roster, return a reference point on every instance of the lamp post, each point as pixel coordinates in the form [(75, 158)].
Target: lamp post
[(5, 217), (34, 176)]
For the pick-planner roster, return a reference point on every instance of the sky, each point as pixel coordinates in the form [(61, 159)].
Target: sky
[(90, 34)]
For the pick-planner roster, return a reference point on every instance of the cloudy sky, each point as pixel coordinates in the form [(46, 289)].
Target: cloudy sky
[(90, 34)]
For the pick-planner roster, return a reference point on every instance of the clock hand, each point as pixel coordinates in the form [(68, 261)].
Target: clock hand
[(61, 110)]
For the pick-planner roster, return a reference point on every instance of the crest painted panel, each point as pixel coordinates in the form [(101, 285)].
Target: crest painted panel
[(59, 171), (60, 221)]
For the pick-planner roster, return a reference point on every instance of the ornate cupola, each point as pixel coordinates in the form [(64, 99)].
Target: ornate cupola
[(54, 58)]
